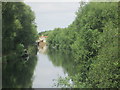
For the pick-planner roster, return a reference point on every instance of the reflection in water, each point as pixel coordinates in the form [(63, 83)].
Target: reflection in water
[(64, 59), (46, 72), (17, 73), (42, 49), (50, 65)]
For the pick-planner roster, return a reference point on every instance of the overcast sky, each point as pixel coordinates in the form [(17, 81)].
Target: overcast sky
[(50, 15)]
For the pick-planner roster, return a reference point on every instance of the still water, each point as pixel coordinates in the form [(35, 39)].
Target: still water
[(40, 71), (46, 72)]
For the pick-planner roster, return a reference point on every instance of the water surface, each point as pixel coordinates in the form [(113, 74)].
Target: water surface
[(46, 72), (40, 71)]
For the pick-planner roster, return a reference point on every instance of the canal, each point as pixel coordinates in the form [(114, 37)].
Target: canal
[(42, 70), (46, 73)]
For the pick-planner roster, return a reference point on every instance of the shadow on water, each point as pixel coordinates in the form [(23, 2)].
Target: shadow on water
[(63, 58), (16, 73)]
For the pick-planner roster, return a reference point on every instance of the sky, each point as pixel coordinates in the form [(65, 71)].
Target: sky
[(50, 15)]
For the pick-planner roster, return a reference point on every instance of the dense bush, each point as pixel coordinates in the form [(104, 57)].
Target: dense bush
[(18, 26), (18, 33), (93, 39)]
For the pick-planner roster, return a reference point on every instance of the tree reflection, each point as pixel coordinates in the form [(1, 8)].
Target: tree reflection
[(63, 58), (17, 73)]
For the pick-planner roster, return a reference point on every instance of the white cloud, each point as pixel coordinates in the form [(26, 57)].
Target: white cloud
[(53, 7), (50, 15)]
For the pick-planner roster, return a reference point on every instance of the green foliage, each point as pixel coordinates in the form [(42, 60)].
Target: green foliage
[(20, 48), (93, 39), (18, 33), (18, 26)]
